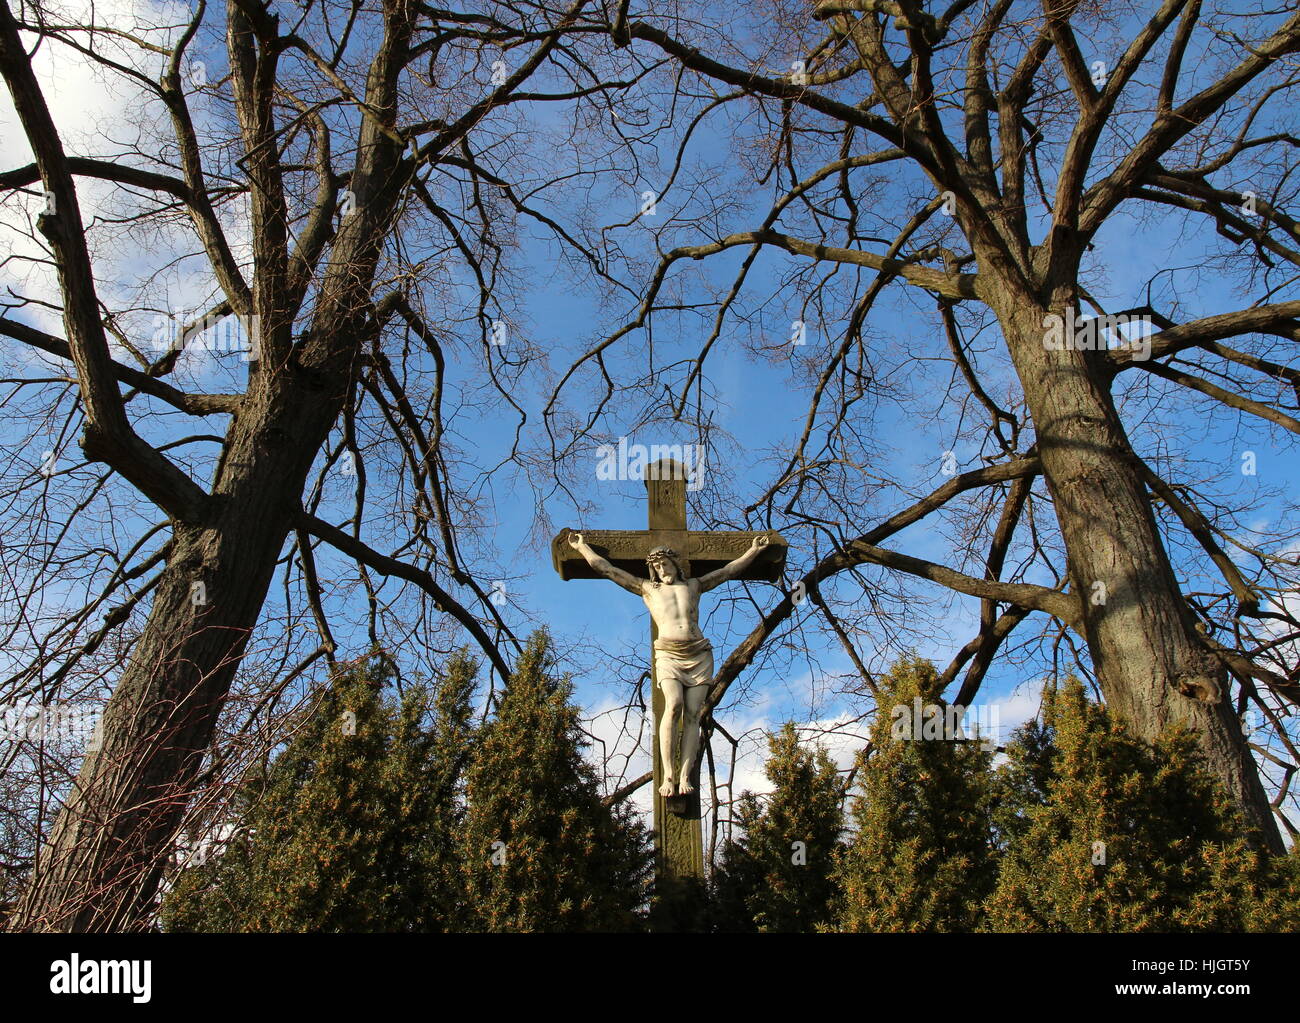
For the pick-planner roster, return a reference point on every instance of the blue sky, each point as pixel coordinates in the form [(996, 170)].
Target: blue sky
[(759, 402)]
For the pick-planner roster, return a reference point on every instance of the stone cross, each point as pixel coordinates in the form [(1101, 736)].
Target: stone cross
[(679, 846)]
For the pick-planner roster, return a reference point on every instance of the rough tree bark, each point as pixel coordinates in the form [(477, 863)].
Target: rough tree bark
[(101, 867), (1154, 668)]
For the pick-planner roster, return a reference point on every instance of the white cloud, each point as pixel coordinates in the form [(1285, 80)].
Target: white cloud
[(104, 114)]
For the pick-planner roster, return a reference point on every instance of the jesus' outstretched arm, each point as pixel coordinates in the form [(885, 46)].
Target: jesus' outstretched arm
[(626, 580), (732, 569)]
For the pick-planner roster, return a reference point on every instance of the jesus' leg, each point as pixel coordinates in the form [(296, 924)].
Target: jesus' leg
[(672, 690), (695, 696)]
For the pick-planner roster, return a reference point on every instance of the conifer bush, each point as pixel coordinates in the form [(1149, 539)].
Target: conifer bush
[(921, 857), (775, 875), (540, 849)]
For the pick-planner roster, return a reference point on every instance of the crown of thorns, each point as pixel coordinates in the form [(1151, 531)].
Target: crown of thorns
[(660, 554)]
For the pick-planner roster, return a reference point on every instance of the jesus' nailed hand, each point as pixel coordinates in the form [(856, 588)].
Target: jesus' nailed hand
[(683, 657)]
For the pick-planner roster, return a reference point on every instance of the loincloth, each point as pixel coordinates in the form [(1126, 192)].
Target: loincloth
[(689, 662)]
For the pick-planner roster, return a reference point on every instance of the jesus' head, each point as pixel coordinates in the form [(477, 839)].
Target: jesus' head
[(664, 566)]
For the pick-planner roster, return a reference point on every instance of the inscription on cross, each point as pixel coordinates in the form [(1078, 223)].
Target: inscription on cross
[(670, 582)]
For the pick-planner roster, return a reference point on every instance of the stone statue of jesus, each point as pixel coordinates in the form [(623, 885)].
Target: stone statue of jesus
[(683, 657)]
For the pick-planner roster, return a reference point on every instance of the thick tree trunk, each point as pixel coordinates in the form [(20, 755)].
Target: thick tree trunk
[(102, 863), (100, 868), (1153, 669)]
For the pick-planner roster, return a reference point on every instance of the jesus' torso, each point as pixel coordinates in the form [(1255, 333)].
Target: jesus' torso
[(675, 608)]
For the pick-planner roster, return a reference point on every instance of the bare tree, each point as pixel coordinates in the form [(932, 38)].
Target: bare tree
[(346, 186), (987, 157)]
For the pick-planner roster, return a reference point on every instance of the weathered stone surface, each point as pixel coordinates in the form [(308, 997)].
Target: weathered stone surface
[(705, 550)]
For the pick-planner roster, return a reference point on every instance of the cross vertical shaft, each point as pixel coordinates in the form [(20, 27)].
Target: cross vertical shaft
[(679, 838)]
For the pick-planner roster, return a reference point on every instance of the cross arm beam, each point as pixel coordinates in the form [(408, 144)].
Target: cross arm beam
[(706, 551)]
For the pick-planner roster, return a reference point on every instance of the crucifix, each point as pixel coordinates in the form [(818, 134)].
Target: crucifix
[(669, 566)]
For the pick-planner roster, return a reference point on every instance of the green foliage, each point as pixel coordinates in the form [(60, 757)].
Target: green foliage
[(1103, 832), (921, 858), (353, 825), (383, 813), (540, 850), (765, 882)]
